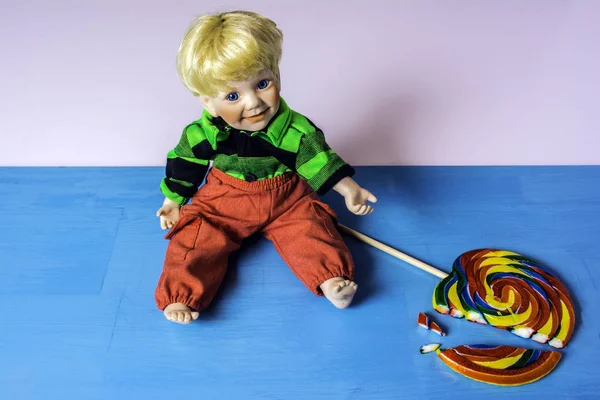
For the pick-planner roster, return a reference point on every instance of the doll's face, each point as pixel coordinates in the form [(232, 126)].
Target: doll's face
[(247, 105)]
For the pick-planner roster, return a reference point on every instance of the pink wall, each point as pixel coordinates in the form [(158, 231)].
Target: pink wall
[(391, 82)]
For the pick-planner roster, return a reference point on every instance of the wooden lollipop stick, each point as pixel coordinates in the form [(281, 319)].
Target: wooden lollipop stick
[(391, 251)]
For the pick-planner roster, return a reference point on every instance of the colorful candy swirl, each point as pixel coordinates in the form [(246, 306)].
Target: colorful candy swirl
[(500, 365), (508, 291)]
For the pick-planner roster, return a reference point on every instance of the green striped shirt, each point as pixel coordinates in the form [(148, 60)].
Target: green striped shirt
[(291, 142)]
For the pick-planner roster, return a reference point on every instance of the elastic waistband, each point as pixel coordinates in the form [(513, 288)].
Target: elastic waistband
[(256, 186)]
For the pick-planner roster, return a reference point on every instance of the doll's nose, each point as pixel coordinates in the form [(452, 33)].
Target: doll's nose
[(253, 102)]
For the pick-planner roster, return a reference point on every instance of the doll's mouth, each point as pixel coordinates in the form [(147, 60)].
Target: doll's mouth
[(256, 117)]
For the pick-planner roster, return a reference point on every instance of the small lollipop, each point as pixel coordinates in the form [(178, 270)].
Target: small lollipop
[(499, 288), (497, 365)]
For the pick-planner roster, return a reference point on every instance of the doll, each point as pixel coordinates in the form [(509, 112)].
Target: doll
[(269, 166)]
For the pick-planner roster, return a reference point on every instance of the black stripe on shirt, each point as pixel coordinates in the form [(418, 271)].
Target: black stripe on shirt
[(243, 145), (183, 170), (182, 190)]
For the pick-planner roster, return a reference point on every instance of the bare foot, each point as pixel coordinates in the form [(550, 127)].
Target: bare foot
[(339, 291), (180, 313)]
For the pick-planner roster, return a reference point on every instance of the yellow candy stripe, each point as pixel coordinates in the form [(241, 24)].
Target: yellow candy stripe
[(454, 300), (545, 330), (502, 363), (510, 320), (565, 322)]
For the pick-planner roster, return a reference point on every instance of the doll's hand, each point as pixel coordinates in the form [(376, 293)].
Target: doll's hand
[(168, 213), (356, 201), (355, 196)]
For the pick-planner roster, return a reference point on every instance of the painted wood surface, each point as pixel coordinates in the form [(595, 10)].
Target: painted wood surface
[(81, 251)]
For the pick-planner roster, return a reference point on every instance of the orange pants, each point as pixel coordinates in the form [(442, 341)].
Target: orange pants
[(225, 211)]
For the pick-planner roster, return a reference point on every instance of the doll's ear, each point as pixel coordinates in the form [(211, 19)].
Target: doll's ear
[(207, 103)]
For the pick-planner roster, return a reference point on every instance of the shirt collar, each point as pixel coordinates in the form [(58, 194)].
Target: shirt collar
[(213, 127)]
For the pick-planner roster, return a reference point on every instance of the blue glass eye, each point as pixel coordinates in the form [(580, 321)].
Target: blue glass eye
[(263, 84), (233, 96)]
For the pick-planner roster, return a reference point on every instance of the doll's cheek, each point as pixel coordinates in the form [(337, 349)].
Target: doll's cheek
[(231, 115), (272, 97)]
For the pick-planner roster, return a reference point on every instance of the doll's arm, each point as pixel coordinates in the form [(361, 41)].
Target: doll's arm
[(317, 163), (324, 169), (185, 171), (186, 166)]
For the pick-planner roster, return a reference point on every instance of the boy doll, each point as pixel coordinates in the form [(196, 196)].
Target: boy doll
[(269, 166)]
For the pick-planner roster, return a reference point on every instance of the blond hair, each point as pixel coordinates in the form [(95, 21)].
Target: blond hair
[(227, 47)]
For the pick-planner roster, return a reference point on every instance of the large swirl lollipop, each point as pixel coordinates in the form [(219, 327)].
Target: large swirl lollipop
[(508, 291), (499, 288)]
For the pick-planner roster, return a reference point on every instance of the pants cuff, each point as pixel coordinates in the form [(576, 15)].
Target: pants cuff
[(314, 287), (190, 302)]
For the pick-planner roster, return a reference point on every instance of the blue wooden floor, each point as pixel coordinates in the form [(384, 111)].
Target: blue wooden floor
[(81, 251)]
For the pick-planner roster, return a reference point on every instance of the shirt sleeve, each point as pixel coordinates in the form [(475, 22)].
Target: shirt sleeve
[(318, 164), (186, 167)]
